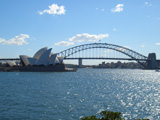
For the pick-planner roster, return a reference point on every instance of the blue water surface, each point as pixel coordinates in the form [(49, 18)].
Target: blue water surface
[(72, 95)]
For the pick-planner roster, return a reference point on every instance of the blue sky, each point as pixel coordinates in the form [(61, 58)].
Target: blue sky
[(28, 25)]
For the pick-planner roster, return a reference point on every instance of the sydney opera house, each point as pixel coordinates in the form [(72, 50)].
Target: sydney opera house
[(43, 57), (43, 60)]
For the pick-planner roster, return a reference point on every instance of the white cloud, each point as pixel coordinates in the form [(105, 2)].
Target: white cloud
[(114, 29), (17, 40), (99, 9), (118, 8), (82, 38), (147, 4), (157, 43), (87, 37), (54, 9), (64, 43), (2, 40), (142, 46), (29, 49), (102, 10)]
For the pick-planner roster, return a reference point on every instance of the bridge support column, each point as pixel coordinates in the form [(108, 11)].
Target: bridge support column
[(158, 64), (80, 62), (152, 62)]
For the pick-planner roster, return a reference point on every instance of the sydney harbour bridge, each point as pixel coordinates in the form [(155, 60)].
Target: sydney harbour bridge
[(107, 51)]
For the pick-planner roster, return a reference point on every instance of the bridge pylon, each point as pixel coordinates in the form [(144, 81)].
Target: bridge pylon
[(80, 62), (152, 62)]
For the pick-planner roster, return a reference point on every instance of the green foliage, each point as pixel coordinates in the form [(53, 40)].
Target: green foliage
[(107, 115), (142, 119), (90, 118)]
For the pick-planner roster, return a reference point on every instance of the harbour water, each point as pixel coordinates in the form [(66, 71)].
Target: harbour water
[(72, 95)]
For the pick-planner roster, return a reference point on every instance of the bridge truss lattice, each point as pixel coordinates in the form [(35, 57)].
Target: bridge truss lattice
[(133, 55)]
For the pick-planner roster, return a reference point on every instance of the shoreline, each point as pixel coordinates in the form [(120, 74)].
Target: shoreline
[(54, 68)]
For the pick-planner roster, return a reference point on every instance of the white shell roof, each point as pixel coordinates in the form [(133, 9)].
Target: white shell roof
[(60, 59), (32, 61), (10, 63), (24, 58), (54, 59), (38, 54), (44, 58)]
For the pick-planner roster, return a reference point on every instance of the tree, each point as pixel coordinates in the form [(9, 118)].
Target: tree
[(107, 115)]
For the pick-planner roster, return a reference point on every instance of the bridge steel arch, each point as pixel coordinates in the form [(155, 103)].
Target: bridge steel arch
[(132, 54)]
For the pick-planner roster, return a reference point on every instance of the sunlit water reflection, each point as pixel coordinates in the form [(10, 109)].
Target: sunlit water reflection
[(72, 95)]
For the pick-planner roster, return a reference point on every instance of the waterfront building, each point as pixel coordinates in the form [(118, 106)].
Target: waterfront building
[(10, 63), (43, 57)]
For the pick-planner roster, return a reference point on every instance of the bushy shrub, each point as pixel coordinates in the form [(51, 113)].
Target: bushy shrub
[(107, 115), (90, 118), (142, 119), (110, 115)]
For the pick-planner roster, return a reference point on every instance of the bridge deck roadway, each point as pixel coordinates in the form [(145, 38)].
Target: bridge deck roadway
[(87, 58), (3, 59), (107, 58)]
